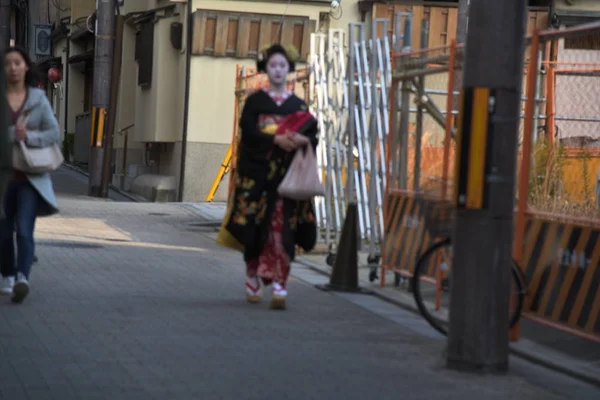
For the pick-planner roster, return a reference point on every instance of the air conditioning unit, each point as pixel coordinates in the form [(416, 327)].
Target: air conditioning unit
[(43, 40)]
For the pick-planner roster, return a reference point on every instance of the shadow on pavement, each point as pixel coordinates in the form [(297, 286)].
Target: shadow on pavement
[(68, 182)]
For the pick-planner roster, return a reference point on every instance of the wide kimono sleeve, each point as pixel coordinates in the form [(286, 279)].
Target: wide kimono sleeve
[(238, 230), (306, 233), (313, 135), (312, 130), (253, 141)]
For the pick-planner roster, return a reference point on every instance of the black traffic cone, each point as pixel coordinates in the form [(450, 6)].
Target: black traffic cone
[(344, 277)]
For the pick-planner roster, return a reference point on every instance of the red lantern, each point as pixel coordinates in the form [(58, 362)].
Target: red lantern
[(54, 75)]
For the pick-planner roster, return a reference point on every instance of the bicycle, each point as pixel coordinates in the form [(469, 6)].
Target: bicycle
[(437, 271)]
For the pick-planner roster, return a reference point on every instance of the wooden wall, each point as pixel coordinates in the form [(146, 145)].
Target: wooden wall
[(442, 22), (241, 35)]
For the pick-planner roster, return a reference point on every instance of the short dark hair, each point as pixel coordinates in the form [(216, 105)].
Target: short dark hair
[(265, 55), (32, 77)]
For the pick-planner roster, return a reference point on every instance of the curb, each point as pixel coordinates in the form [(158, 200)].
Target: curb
[(523, 349), (110, 186)]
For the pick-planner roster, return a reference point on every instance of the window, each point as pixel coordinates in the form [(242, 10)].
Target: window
[(144, 53), (241, 35)]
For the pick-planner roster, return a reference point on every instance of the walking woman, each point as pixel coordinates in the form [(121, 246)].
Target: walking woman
[(274, 124), (27, 196)]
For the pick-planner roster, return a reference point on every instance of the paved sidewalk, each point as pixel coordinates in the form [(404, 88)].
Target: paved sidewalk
[(548, 346), (553, 348), (135, 301)]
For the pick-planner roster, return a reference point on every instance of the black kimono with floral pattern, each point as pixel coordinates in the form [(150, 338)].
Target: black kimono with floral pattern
[(261, 166)]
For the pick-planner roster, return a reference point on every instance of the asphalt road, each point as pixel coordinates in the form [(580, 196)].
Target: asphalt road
[(129, 301)]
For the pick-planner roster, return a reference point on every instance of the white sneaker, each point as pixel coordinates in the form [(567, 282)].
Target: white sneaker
[(7, 284), (278, 298), (20, 290)]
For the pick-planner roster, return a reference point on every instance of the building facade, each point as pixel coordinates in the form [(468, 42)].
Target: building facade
[(176, 100)]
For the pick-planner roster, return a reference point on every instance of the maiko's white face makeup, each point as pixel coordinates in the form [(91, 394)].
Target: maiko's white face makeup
[(278, 69)]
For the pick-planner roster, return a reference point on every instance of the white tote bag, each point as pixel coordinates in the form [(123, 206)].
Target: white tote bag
[(301, 181), (36, 160)]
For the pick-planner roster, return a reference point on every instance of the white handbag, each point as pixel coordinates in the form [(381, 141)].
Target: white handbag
[(36, 160), (301, 181)]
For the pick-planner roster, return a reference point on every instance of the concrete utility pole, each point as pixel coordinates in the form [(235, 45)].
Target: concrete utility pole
[(463, 20), (112, 110), (5, 147), (486, 158), (103, 64), (461, 37), (5, 14)]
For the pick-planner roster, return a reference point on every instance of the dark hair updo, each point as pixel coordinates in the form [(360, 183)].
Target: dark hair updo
[(290, 54)]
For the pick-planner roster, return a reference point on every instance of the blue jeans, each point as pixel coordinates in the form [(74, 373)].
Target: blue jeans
[(20, 206)]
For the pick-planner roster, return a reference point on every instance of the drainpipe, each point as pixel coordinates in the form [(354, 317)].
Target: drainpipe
[(33, 15), (186, 106), (67, 68)]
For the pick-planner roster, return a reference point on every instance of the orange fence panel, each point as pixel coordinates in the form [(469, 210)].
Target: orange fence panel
[(408, 231), (558, 178), (557, 173), (561, 261)]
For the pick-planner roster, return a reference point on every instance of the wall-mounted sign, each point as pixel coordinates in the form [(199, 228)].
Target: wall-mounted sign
[(43, 40)]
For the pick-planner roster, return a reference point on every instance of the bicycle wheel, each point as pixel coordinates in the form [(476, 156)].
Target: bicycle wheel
[(431, 287), (425, 284), (518, 291)]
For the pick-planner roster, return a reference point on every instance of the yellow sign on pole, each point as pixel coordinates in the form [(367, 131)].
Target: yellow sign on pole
[(472, 148)]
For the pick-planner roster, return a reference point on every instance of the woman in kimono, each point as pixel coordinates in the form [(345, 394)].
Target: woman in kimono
[(275, 123)]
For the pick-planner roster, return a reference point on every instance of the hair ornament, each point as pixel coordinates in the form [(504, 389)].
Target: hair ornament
[(292, 53), (262, 53)]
